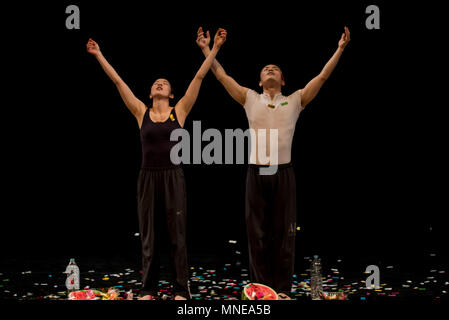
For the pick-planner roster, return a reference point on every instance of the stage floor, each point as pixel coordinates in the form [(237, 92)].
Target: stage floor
[(222, 278)]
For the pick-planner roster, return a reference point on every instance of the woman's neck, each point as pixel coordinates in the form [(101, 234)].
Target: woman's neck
[(161, 105)]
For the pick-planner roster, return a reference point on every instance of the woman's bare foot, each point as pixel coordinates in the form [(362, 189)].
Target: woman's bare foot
[(147, 297), (283, 296)]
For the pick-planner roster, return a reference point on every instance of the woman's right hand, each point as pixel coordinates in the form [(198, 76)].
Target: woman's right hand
[(92, 47)]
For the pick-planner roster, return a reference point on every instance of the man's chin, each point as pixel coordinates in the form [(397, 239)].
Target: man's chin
[(271, 82)]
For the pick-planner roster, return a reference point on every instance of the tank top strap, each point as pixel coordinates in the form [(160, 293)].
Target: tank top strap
[(145, 118), (172, 112), (174, 117)]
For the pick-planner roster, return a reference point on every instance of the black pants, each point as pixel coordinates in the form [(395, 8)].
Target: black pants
[(271, 226), (161, 205)]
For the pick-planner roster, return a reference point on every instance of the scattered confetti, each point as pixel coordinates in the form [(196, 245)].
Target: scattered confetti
[(225, 281)]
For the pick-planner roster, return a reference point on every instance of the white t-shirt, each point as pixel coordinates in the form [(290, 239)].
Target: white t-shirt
[(281, 113)]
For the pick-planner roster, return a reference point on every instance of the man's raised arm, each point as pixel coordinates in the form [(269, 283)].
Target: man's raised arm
[(186, 103), (313, 87), (237, 92)]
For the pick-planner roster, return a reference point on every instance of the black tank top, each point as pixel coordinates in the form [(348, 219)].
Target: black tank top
[(155, 139)]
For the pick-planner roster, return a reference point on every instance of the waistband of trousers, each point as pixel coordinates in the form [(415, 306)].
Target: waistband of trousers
[(163, 168), (280, 166)]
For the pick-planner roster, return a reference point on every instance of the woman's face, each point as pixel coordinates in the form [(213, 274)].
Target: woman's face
[(161, 88)]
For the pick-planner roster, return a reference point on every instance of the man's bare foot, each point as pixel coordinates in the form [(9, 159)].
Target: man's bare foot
[(129, 295), (147, 297), (178, 297), (283, 296)]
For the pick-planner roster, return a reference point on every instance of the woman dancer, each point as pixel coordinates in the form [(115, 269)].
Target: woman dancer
[(161, 187)]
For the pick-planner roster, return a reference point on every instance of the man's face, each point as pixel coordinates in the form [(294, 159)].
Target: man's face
[(161, 88), (271, 73)]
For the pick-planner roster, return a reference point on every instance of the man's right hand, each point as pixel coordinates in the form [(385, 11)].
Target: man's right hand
[(92, 47), (202, 41)]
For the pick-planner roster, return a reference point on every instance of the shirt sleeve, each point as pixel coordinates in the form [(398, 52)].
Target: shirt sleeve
[(296, 98), (251, 97)]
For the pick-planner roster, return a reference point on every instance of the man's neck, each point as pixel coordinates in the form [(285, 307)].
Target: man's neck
[(272, 91)]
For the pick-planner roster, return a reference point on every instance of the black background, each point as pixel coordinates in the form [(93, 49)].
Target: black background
[(367, 152)]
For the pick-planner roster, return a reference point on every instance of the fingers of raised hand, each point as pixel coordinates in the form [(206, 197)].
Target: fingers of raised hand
[(347, 34), (200, 31), (201, 36), (221, 34)]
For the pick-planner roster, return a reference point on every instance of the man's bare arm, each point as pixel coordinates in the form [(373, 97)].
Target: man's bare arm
[(186, 103), (237, 92), (313, 87)]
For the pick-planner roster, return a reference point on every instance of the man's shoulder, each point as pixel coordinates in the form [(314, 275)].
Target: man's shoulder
[(253, 92), (252, 96), (295, 94)]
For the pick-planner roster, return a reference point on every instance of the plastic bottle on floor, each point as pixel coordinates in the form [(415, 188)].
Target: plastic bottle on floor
[(72, 282), (316, 281)]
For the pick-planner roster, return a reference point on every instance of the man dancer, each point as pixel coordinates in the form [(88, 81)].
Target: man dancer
[(270, 199)]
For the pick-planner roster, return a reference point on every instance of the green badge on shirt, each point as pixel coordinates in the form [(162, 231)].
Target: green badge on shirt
[(284, 103)]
